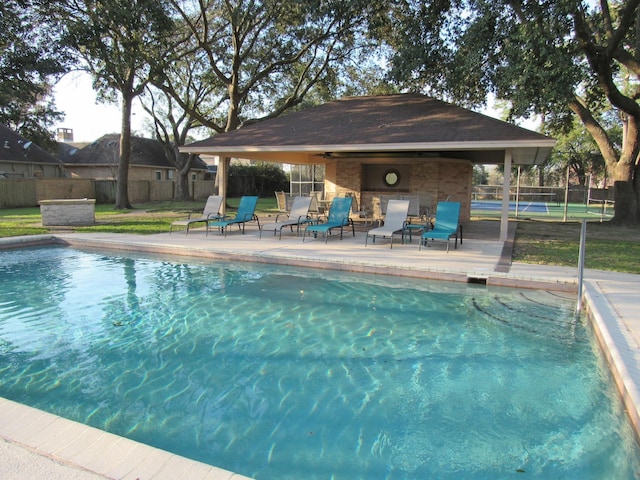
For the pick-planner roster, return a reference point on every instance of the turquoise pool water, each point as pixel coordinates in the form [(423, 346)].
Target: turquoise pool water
[(282, 373)]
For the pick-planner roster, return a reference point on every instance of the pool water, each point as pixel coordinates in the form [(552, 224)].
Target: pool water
[(285, 373)]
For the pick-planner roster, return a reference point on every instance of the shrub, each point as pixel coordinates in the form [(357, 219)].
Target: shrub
[(261, 179)]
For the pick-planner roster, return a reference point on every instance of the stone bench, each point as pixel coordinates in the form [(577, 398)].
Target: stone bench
[(68, 212)]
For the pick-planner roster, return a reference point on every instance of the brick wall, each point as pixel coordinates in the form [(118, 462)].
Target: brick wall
[(433, 180)]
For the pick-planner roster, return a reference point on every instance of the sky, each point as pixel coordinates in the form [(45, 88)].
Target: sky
[(89, 119)]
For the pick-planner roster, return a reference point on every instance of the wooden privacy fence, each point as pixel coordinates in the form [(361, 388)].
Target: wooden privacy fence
[(28, 192)]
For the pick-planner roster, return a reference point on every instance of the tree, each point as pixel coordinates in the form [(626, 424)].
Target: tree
[(186, 73), (480, 175), (265, 57), (121, 44), (171, 126), (577, 150), (558, 59), (30, 62)]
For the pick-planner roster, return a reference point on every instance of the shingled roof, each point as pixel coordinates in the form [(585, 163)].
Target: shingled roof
[(106, 151), (15, 148), (357, 126)]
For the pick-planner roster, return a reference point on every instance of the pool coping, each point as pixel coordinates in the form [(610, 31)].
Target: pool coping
[(615, 334)]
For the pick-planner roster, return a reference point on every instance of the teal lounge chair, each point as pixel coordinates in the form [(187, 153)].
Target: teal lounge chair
[(210, 212), (338, 218), (299, 215), (446, 225), (394, 221), (246, 213)]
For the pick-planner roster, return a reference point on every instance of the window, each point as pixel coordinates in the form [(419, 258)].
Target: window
[(158, 175), (306, 179), (170, 174)]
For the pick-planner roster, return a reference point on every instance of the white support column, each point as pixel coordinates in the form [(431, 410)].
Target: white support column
[(504, 219), (222, 181)]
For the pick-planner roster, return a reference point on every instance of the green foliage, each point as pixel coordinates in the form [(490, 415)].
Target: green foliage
[(575, 148), (518, 51), (262, 179), (120, 41), (480, 175), (30, 61)]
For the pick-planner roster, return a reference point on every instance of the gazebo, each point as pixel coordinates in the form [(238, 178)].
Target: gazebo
[(372, 146)]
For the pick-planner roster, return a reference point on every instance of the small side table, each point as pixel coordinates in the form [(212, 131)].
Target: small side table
[(411, 228)]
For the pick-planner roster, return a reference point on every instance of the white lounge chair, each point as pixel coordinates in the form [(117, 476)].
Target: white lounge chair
[(299, 215), (211, 212), (394, 221)]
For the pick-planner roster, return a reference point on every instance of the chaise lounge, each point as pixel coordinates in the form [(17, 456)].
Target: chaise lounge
[(246, 213), (338, 218), (299, 215), (210, 212), (446, 224), (394, 221)]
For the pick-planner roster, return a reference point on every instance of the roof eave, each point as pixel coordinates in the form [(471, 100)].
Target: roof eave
[(525, 152), (373, 147)]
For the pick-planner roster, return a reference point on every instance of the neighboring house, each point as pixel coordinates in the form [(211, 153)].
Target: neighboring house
[(20, 158), (391, 144), (100, 159)]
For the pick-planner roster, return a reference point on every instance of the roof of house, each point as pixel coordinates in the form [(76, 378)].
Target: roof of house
[(396, 124), (106, 151), (15, 148)]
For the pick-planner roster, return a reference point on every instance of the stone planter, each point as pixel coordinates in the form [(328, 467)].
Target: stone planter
[(68, 212)]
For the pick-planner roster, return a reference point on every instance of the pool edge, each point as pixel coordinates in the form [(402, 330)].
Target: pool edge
[(616, 345)]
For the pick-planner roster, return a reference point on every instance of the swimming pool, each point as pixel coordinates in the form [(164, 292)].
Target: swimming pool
[(293, 373)]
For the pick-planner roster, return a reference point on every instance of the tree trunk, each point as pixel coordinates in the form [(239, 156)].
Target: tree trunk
[(626, 207), (540, 176), (122, 190), (182, 187), (183, 162)]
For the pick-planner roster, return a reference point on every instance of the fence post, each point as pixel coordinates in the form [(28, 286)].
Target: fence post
[(583, 236)]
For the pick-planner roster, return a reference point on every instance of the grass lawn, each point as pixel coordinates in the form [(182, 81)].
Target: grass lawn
[(537, 241), (143, 219), (555, 243)]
